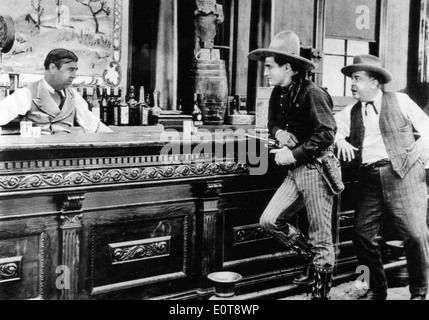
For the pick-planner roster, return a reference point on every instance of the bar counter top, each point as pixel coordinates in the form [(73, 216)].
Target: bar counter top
[(122, 137)]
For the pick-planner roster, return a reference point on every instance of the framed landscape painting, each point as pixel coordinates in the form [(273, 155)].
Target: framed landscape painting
[(89, 28)]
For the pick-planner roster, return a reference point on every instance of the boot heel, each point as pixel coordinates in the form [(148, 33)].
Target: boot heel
[(306, 277)]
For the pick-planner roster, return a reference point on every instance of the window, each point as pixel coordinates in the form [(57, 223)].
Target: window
[(339, 53), (353, 27)]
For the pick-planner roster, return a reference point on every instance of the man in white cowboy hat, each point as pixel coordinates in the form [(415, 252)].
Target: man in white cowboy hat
[(300, 118), (378, 136)]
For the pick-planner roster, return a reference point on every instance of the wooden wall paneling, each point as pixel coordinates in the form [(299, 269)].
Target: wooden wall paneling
[(29, 255), (395, 39), (232, 52), (242, 39), (424, 42), (319, 38), (209, 231), (297, 16)]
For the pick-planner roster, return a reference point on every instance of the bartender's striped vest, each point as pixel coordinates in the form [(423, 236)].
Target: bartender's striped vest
[(397, 133)]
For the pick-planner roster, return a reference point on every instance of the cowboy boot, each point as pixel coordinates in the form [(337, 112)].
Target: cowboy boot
[(306, 277), (303, 246), (322, 284)]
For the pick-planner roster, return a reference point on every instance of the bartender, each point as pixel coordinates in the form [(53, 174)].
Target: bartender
[(50, 103)]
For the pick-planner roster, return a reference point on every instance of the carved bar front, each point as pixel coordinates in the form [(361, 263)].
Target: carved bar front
[(114, 217)]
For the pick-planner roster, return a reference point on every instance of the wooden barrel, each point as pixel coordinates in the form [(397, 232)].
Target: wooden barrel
[(208, 78)]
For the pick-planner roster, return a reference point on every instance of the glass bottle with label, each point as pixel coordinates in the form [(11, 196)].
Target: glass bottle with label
[(124, 112), (104, 104), (134, 110), (116, 102), (243, 106), (197, 115), (144, 108)]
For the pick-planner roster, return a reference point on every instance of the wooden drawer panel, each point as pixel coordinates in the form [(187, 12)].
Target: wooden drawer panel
[(21, 267), (129, 254)]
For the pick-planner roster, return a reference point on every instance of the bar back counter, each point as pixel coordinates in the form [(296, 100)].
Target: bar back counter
[(113, 216)]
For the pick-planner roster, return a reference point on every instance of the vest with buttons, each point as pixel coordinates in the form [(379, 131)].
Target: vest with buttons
[(44, 111), (397, 133)]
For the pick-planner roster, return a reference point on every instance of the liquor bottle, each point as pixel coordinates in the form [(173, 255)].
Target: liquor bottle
[(111, 103), (124, 112), (104, 104), (156, 110), (116, 102), (197, 115), (144, 108), (85, 94), (99, 93), (95, 104), (134, 109), (86, 97), (243, 107), (232, 109)]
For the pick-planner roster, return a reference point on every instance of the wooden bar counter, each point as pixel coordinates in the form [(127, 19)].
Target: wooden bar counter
[(109, 216)]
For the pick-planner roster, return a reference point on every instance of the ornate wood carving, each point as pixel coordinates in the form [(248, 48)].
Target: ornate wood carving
[(42, 265), (72, 203), (156, 247), (10, 269), (212, 190), (133, 251), (250, 233), (113, 176)]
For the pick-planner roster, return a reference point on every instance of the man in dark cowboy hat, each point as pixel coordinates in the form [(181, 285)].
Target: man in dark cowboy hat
[(377, 135), (300, 118)]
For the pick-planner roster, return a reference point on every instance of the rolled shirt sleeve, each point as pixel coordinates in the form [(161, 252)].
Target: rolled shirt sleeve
[(14, 105)]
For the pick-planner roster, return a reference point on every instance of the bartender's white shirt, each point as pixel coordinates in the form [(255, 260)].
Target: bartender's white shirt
[(19, 103)]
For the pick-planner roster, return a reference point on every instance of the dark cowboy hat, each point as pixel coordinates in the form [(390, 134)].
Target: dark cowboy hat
[(285, 45), (367, 62)]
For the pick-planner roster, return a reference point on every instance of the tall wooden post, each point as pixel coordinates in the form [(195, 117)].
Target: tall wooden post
[(71, 235), (209, 229)]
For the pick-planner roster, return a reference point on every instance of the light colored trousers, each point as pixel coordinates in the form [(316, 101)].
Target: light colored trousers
[(303, 187)]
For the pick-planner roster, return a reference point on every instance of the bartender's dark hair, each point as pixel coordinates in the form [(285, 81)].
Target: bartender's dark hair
[(59, 57)]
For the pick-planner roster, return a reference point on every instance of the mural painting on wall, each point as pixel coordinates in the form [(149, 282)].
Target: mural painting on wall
[(85, 27)]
